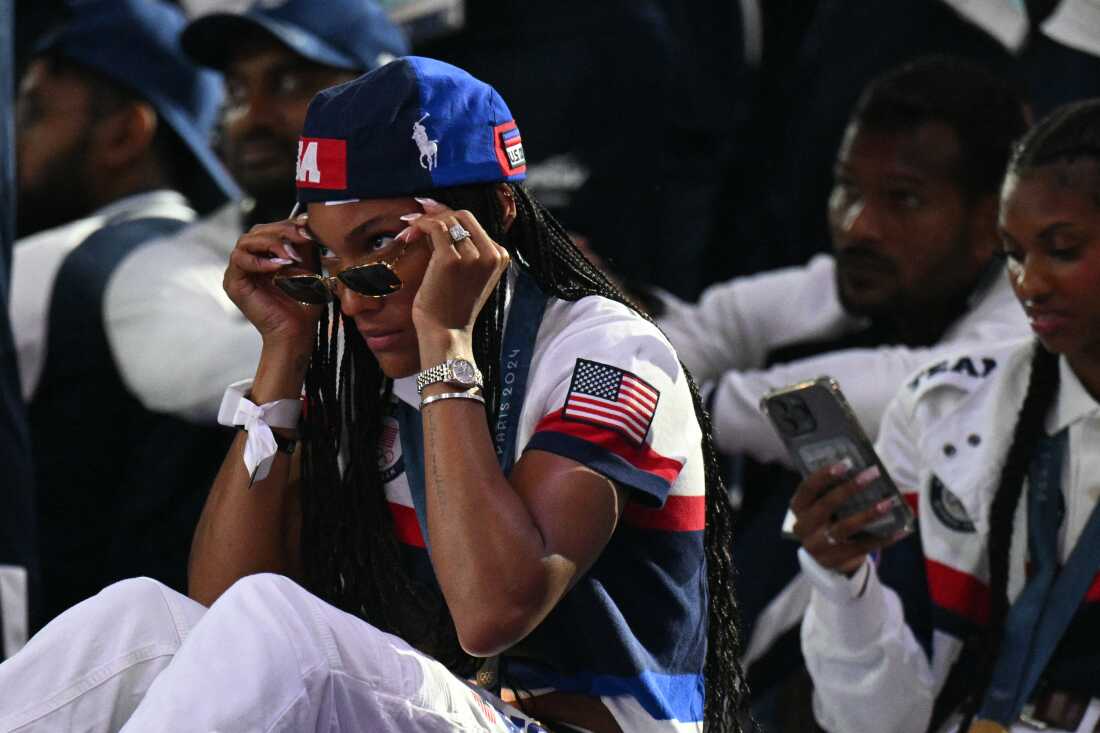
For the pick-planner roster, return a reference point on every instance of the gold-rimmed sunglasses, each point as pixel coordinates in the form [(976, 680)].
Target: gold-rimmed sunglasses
[(373, 279)]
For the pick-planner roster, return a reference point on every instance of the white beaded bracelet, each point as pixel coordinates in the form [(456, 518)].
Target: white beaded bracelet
[(453, 396)]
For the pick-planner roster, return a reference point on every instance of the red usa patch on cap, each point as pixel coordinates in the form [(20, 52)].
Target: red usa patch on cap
[(509, 148), (322, 163)]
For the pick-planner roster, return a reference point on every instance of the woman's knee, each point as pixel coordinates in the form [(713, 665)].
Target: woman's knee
[(269, 615), (139, 612), (255, 594), (128, 600), (256, 602)]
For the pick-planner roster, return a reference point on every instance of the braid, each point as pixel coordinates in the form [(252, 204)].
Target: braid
[(350, 552), (1041, 391)]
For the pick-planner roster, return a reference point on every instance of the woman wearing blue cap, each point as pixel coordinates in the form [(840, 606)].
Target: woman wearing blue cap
[(498, 472)]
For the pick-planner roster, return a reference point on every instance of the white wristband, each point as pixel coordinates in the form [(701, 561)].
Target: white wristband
[(260, 448)]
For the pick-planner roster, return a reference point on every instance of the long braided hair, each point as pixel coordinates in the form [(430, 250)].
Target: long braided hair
[(350, 553), (1068, 134)]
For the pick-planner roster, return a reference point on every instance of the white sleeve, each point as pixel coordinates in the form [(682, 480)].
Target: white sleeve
[(735, 324), (177, 338), (646, 436), (870, 674), (869, 379)]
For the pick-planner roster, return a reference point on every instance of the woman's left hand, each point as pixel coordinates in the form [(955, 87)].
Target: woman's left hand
[(460, 276)]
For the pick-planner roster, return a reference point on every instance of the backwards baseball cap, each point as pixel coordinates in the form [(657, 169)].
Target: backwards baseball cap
[(414, 125), (345, 34), (135, 44)]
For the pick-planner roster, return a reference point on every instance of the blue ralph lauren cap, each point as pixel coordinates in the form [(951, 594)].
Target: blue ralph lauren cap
[(414, 125), (345, 34), (135, 44)]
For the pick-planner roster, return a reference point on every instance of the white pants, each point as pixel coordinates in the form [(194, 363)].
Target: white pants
[(267, 656)]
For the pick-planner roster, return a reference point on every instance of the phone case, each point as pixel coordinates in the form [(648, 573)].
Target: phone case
[(820, 429)]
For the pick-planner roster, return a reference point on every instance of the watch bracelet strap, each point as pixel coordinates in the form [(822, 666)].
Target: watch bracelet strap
[(430, 376)]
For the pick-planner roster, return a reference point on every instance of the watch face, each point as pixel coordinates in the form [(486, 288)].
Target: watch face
[(463, 371)]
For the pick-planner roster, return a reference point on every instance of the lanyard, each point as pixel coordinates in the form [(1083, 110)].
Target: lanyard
[(1050, 599), (517, 348)]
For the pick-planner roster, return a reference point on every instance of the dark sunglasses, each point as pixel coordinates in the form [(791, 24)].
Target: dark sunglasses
[(373, 279)]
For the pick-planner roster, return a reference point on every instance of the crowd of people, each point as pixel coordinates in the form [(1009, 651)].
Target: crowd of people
[(336, 424)]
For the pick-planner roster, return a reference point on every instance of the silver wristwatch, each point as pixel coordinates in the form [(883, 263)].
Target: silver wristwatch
[(459, 372)]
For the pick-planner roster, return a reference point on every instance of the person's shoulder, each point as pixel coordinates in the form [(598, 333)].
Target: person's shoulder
[(595, 323), (218, 232), (204, 242), (70, 232), (968, 374)]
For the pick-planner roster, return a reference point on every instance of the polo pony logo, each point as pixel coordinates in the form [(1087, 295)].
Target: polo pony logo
[(429, 149)]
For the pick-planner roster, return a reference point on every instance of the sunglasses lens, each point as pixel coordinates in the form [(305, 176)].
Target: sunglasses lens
[(374, 279), (304, 288)]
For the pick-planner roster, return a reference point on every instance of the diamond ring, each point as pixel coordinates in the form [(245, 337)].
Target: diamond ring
[(458, 233)]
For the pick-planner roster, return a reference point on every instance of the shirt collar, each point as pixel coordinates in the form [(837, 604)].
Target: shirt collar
[(1074, 402)]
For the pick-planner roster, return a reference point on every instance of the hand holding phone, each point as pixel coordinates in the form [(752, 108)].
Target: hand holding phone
[(821, 432)]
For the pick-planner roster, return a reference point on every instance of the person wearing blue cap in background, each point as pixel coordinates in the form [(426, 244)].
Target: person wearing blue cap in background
[(503, 472), (181, 339), (113, 128)]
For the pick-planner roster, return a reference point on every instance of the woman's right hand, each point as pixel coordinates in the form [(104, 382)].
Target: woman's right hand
[(836, 543), (260, 253)]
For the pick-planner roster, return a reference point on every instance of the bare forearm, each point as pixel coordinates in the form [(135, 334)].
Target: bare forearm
[(245, 528), (485, 544)]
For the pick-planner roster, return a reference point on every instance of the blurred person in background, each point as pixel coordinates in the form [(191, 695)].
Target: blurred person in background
[(18, 548), (913, 221), (113, 127), (180, 336), (816, 57)]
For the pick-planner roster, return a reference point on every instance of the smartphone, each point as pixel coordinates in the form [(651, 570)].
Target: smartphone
[(819, 429)]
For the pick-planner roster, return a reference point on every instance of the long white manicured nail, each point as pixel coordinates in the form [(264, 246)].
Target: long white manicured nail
[(411, 217), (867, 475), (291, 251), (841, 469), (282, 261), (428, 203)]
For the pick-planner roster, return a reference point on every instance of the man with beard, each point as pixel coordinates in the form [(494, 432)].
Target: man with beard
[(180, 336), (913, 221), (111, 154)]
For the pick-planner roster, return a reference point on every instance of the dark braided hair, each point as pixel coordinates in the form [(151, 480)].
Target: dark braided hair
[(1068, 134), (350, 553), (1041, 390), (982, 109)]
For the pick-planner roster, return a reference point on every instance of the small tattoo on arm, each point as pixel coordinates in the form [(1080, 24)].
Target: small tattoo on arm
[(430, 444)]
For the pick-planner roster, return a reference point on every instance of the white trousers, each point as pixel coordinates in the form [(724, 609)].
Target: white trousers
[(267, 656)]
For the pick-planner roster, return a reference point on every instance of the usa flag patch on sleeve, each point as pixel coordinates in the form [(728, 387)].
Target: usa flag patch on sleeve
[(613, 398)]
